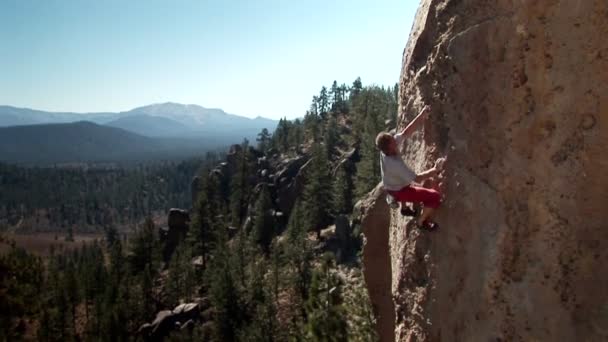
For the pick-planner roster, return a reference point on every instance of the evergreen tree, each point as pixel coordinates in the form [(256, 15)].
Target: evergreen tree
[(343, 191), (200, 234), (181, 275), (225, 297), (323, 103), (281, 135), (311, 126), (318, 190), (296, 136), (263, 140), (145, 248), (240, 187), (332, 136), (263, 227), (326, 315), (368, 169), (299, 253), (335, 95)]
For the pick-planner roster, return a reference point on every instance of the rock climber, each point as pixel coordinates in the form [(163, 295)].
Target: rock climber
[(398, 179)]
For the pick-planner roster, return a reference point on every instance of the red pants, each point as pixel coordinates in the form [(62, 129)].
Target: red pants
[(429, 197)]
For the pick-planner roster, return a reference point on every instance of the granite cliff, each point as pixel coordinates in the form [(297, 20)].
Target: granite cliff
[(519, 97)]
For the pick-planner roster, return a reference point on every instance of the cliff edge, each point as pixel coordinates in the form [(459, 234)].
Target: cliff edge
[(519, 97)]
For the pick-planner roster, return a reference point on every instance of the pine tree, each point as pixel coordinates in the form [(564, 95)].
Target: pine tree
[(336, 96), (200, 235), (356, 88), (332, 136), (240, 187), (368, 169), (263, 140), (325, 313), (323, 102), (225, 297), (343, 191), (299, 252), (181, 275), (263, 227), (318, 190), (145, 248)]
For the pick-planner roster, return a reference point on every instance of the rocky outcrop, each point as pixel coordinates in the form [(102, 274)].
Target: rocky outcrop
[(289, 182), (520, 108), (177, 227), (182, 317), (374, 216)]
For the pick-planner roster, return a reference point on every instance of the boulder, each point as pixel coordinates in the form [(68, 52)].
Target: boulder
[(290, 189), (187, 311), (162, 324), (289, 169), (178, 221)]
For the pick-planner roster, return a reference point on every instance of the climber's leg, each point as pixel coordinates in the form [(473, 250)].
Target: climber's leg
[(406, 210), (431, 199), (426, 214)]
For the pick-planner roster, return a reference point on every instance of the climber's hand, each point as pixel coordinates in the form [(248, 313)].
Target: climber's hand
[(439, 164), (426, 110)]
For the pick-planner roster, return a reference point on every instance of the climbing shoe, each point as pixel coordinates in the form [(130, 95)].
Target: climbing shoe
[(407, 211), (429, 225), (391, 202)]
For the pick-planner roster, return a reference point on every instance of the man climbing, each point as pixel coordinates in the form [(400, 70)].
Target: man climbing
[(398, 178)]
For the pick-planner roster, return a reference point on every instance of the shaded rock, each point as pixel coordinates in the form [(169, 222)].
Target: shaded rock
[(162, 324), (187, 311), (145, 330), (375, 219), (288, 191), (290, 169), (198, 261), (178, 220), (188, 325)]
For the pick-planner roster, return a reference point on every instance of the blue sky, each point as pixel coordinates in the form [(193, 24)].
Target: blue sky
[(263, 57)]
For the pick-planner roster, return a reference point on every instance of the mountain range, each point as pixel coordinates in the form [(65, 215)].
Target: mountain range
[(166, 130)]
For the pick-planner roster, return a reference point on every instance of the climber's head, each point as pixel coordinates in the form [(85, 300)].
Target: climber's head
[(386, 143)]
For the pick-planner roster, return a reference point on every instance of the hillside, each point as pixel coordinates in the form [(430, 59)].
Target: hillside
[(268, 251), (149, 125), (88, 142)]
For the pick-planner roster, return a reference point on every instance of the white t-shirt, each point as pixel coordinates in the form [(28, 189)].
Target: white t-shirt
[(395, 174)]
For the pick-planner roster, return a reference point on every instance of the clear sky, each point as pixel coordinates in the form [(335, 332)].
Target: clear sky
[(256, 57)]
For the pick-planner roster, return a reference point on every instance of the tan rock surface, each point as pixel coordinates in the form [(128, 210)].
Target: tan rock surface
[(519, 96)]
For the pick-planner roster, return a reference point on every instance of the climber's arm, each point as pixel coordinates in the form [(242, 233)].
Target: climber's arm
[(413, 125), (432, 172), (425, 174)]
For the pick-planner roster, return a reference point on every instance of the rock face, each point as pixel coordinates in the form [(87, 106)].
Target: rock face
[(177, 222), (375, 220), (183, 316), (519, 96)]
